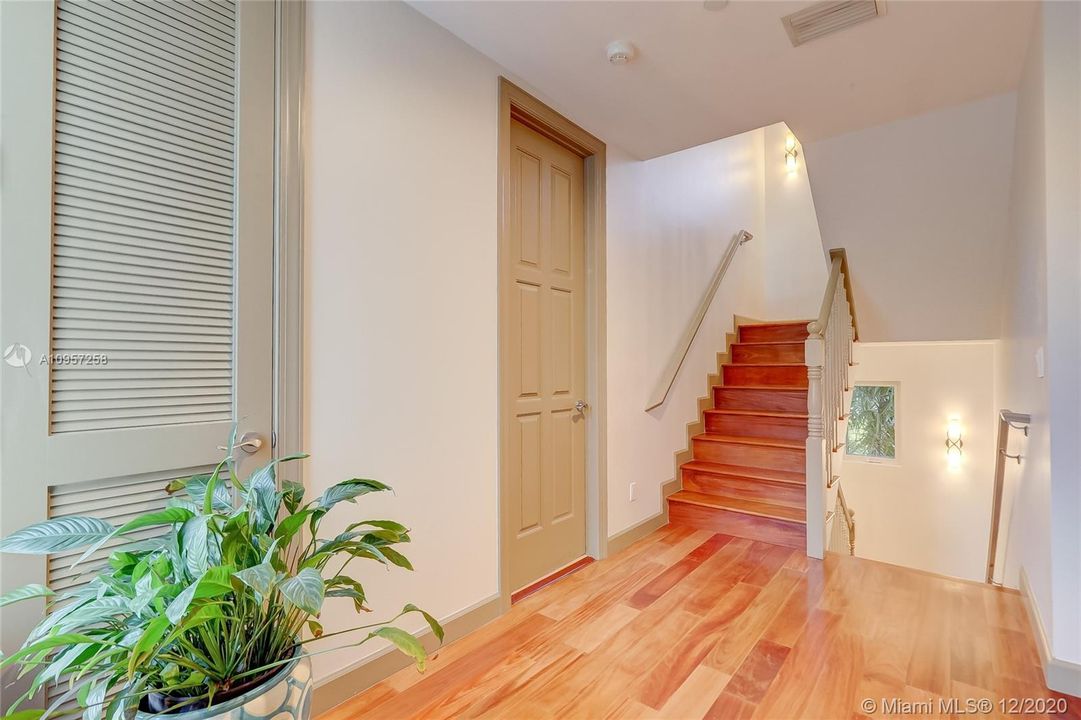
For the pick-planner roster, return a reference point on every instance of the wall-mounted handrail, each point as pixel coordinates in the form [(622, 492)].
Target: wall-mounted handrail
[(679, 354), (1006, 419)]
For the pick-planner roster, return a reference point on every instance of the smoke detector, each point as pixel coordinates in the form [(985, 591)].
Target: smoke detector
[(620, 52), (824, 18)]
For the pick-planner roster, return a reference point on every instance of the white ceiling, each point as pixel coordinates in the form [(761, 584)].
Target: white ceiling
[(702, 75)]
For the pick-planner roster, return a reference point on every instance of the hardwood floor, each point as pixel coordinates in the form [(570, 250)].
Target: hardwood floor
[(691, 624)]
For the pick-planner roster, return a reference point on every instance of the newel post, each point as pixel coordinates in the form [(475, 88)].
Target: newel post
[(814, 358)]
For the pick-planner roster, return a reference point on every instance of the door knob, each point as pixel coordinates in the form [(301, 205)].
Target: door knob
[(249, 442), (581, 405)]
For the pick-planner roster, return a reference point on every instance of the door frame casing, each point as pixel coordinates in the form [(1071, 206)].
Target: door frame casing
[(517, 104)]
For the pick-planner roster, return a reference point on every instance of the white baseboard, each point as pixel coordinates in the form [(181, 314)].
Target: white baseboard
[(1060, 675)]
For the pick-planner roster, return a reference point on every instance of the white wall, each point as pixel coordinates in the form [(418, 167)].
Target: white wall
[(1027, 540), (921, 203), (401, 306), (670, 221), (1042, 309), (793, 246), (920, 512)]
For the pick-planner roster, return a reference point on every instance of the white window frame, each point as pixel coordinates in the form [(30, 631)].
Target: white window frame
[(871, 459)]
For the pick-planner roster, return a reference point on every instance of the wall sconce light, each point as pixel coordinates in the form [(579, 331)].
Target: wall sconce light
[(790, 153), (954, 443)]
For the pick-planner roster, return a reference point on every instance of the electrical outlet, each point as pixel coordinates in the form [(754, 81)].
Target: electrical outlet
[(634, 491)]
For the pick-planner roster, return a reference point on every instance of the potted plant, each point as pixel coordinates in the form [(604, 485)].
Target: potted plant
[(217, 615)]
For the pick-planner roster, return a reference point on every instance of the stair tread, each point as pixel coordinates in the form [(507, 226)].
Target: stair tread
[(759, 413), (751, 440), (743, 471), (748, 507), (764, 364), (777, 323), (769, 342), (784, 388)]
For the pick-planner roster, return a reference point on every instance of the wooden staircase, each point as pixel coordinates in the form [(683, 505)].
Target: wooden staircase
[(747, 477)]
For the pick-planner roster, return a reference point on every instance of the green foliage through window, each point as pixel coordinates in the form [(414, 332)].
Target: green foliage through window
[(871, 431)]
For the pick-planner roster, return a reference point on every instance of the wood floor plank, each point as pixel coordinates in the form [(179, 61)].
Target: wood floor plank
[(730, 707), (683, 656), (678, 571), (587, 637), (716, 577), (758, 670), (738, 629), (739, 637), (695, 696), (772, 561), (790, 621), (970, 641)]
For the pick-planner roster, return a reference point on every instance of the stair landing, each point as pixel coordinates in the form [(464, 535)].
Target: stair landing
[(747, 477)]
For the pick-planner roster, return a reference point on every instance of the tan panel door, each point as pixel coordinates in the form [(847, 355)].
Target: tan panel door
[(543, 358)]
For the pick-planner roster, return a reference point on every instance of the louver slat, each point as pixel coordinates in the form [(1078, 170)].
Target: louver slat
[(143, 230)]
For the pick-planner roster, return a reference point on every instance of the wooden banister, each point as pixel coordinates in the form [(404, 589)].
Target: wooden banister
[(828, 356)]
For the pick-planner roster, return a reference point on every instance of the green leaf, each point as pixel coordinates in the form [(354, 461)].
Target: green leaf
[(396, 558), (315, 628), (24, 715), (25, 593), (215, 582), (432, 622), (304, 590), (143, 649), (95, 700), (179, 606), (263, 498), (49, 643), (168, 516), (197, 486), (406, 643), (261, 578), (384, 524), (290, 525), (55, 535), (292, 495), (349, 490), (195, 545), (209, 495), (342, 586)]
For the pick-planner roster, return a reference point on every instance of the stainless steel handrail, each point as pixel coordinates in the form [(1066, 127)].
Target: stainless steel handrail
[(1006, 419), (671, 370)]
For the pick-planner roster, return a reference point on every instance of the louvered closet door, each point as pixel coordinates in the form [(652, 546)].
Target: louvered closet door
[(137, 252), (161, 262)]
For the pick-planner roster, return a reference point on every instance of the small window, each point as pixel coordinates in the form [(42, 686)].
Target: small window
[(872, 433)]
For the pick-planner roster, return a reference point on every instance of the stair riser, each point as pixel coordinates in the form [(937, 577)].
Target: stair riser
[(757, 426), (772, 333), (794, 376), (750, 455), (786, 353), (730, 398), (770, 530), (745, 488)]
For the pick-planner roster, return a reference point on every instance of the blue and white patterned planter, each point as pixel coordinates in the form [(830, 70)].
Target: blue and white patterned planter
[(286, 696)]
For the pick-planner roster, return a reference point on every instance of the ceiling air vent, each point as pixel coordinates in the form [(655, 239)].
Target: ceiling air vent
[(828, 17)]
